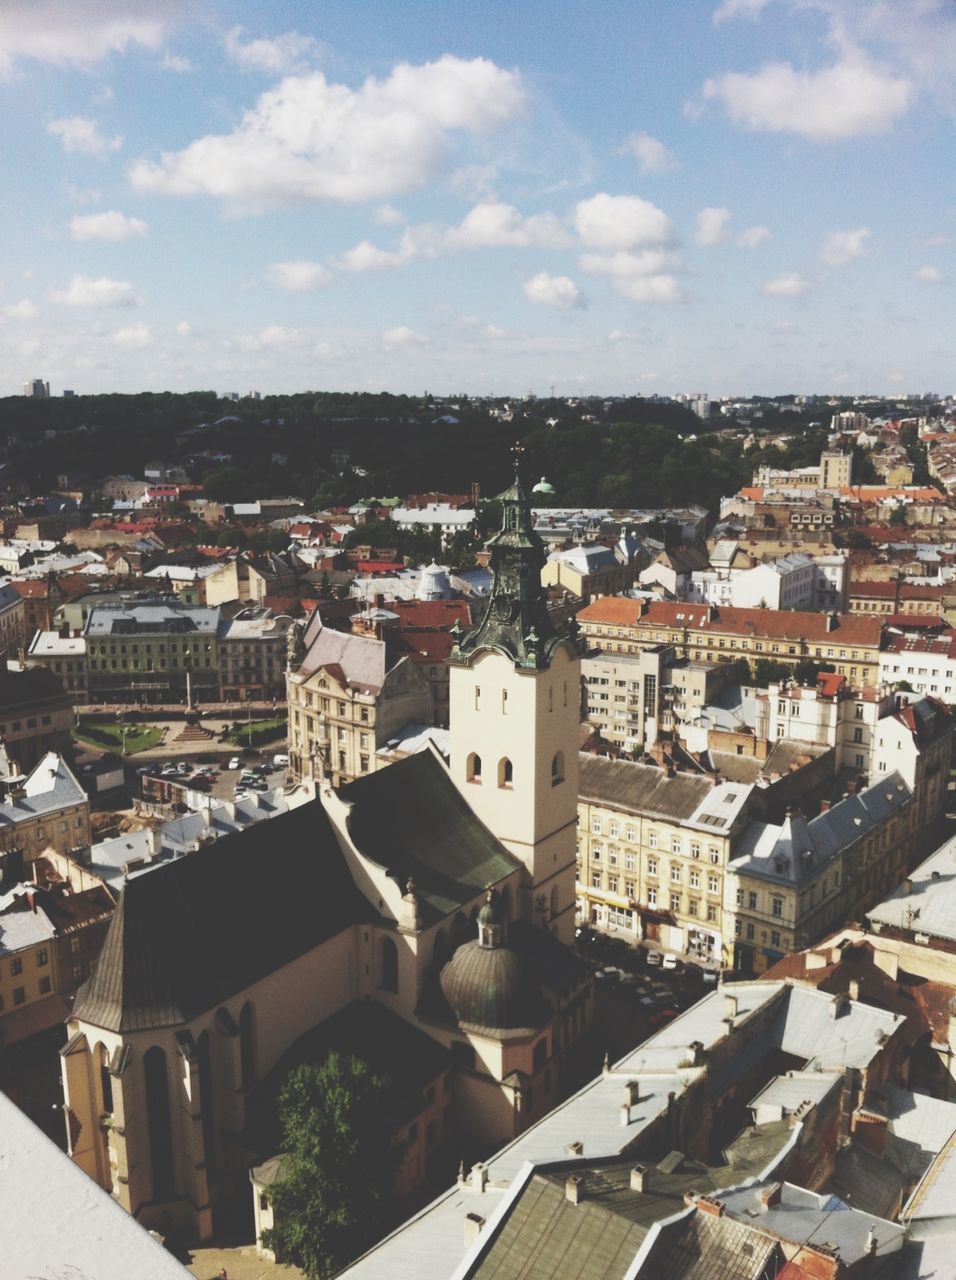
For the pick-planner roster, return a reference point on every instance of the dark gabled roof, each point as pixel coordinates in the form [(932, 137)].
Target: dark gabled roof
[(30, 686), (641, 787), (195, 931), (411, 819), (365, 1029)]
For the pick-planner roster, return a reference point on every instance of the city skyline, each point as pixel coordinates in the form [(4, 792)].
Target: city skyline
[(633, 199)]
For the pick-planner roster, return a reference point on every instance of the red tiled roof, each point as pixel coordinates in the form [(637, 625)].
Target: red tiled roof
[(431, 614), (888, 590), (818, 627), (379, 566)]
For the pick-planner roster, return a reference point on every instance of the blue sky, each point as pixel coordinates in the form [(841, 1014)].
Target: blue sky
[(746, 196)]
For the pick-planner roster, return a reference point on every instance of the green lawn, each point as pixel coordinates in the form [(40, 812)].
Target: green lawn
[(109, 737), (257, 731)]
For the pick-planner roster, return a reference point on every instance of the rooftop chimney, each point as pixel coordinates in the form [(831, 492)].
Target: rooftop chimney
[(871, 1242), (824, 806), (573, 1191), (730, 1008), (769, 1197), (907, 887), (473, 1225), (641, 1178), (479, 1177), (853, 990)]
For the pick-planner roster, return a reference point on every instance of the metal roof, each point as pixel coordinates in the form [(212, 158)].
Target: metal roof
[(929, 906)]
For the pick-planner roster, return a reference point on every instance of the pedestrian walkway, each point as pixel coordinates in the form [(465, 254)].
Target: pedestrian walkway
[(240, 1264)]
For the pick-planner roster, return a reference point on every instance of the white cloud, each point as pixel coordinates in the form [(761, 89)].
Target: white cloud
[(110, 225), (490, 224), (84, 291), (366, 256), (134, 337), (937, 241), (559, 292), (184, 328), (175, 62), (739, 9), (82, 32), (81, 136), (622, 222), (846, 100), (402, 336), (652, 156), (841, 247), (281, 54), (753, 236), (788, 285), (712, 226), (386, 215), (928, 275), (279, 335), (310, 140), (298, 275), (647, 276), (22, 310)]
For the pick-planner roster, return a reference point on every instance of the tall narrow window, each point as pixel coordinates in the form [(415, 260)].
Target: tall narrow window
[(473, 768), (477, 697), (157, 1113), (389, 966), (207, 1100), (505, 772), (504, 702), (247, 1045), (557, 768)]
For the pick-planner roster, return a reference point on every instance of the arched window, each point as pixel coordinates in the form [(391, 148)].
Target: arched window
[(473, 768), (389, 966), (207, 1099), (506, 772), (157, 1118), (557, 768), (540, 1054), (106, 1080), (247, 1044)]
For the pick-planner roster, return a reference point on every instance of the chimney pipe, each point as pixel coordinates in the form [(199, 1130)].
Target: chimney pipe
[(907, 887), (769, 1197), (824, 806), (854, 989), (572, 1188), (641, 1178)]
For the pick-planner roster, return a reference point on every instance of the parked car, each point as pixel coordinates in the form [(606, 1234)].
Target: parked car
[(670, 961), (184, 767), (234, 763), (662, 1016), (654, 959), (280, 760), (710, 977)]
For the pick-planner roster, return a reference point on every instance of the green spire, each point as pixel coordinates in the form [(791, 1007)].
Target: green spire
[(515, 621)]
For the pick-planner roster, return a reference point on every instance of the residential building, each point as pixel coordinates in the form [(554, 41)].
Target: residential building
[(435, 517), (152, 650), (673, 570), (703, 633), (41, 598), (834, 472), (633, 698), (916, 739), (926, 663), (46, 808), (587, 571), (63, 653), (920, 912), (788, 885), (13, 636), (49, 941), (787, 583), (36, 715), (348, 695), (252, 656), (37, 388), (653, 851)]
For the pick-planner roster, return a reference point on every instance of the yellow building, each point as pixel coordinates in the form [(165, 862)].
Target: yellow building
[(653, 852)]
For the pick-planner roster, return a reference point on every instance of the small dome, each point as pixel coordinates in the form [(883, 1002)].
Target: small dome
[(543, 487), (433, 583), (490, 988)]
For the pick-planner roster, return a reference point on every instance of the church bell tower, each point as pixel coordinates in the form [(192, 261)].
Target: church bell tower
[(514, 714)]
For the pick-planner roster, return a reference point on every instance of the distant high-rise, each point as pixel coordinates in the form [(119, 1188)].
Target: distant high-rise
[(39, 389), (68, 394)]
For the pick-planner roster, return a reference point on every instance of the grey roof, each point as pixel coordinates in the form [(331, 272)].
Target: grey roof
[(160, 618), (918, 1129), (364, 660), (799, 1022), (930, 907), (197, 930), (411, 819), (21, 928), (787, 1092), (935, 1196), (49, 788), (812, 1218), (691, 798), (797, 850)]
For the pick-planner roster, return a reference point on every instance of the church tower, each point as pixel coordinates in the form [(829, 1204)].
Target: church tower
[(514, 714)]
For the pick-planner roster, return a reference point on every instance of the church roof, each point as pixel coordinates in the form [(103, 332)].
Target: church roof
[(413, 820), (193, 932)]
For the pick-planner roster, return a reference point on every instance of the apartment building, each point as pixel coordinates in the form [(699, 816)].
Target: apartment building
[(587, 571), (47, 808), (653, 852), (36, 715), (926, 663), (252, 655), (705, 633), (788, 885), (152, 650), (348, 695), (63, 653)]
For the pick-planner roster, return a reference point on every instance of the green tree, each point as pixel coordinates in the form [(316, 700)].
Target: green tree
[(332, 1202), (898, 515)]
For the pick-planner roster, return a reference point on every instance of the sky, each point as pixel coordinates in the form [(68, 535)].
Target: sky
[(603, 197)]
